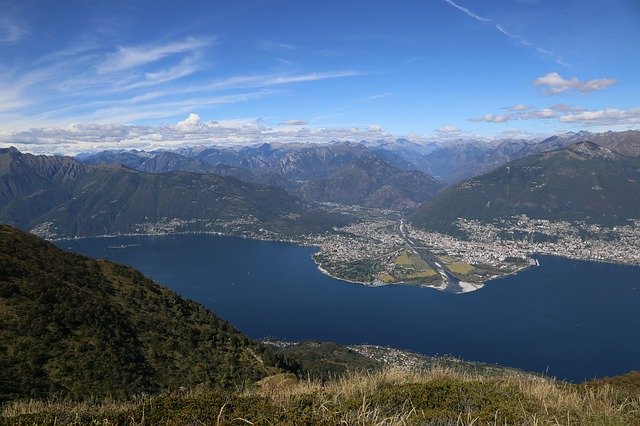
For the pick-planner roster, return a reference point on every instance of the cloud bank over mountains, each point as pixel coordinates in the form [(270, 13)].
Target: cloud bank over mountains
[(192, 131)]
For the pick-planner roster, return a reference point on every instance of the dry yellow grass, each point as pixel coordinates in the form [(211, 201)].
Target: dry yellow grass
[(558, 402), (389, 397)]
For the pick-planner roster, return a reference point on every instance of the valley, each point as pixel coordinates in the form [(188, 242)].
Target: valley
[(375, 218), (375, 252)]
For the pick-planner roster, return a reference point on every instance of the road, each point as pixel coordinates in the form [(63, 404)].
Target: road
[(451, 282)]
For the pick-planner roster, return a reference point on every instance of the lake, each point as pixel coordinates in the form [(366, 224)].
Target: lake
[(572, 319)]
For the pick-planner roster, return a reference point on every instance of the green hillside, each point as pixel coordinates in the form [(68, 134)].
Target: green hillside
[(585, 182), (87, 341), (79, 327)]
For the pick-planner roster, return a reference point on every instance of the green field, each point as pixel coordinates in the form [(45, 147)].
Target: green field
[(460, 268), (410, 266)]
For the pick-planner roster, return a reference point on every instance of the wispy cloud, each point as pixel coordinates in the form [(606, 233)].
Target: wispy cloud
[(556, 84), (374, 97), (519, 107), (379, 96), (468, 12), (278, 79), (12, 30), (87, 82), (128, 113), (185, 67), (126, 57), (270, 45), (510, 34)]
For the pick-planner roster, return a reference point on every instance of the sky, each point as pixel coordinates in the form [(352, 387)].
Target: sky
[(80, 75)]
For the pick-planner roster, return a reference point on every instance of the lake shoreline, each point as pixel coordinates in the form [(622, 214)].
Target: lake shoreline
[(275, 289), (323, 270)]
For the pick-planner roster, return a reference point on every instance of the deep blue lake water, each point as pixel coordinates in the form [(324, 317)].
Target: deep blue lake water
[(573, 319)]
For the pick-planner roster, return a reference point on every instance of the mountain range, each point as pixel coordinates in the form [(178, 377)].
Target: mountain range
[(347, 173), (272, 188), (62, 197), (448, 160), (584, 182)]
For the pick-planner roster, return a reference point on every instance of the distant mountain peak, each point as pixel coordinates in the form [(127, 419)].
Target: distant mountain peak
[(591, 150)]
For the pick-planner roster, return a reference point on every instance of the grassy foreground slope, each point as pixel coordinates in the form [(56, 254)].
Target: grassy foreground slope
[(437, 396), (80, 327)]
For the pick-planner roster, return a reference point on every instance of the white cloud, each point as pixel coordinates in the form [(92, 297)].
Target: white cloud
[(448, 130), (608, 116), (518, 112), (128, 113), (15, 93), (293, 123), (519, 107), (134, 56), (189, 123), (544, 113), (561, 107), (192, 131), (567, 114), (557, 84), (491, 118)]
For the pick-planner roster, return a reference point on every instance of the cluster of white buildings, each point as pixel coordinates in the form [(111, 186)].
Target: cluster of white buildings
[(579, 240), (359, 241)]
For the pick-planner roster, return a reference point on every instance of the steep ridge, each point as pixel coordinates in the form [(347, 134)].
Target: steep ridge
[(372, 182), (80, 327), (585, 182)]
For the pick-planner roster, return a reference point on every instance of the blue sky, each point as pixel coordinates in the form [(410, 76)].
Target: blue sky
[(90, 74)]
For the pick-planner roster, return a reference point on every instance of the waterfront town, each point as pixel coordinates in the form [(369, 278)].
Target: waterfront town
[(488, 250), (380, 248)]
